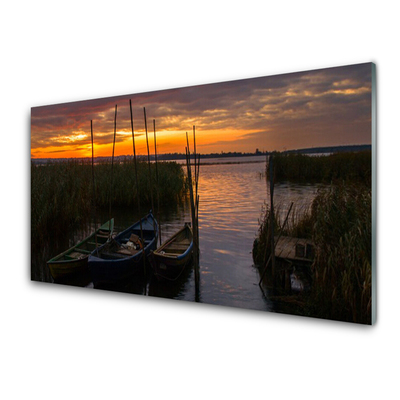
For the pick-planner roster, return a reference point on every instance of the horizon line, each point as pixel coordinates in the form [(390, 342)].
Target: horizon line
[(257, 152)]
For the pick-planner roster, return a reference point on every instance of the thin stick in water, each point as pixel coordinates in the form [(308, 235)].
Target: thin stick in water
[(194, 222), (137, 187), (157, 181), (112, 164), (148, 162), (93, 182), (272, 222), (94, 191), (275, 243)]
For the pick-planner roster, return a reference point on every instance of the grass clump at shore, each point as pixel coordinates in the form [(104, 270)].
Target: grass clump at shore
[(62, 193), (299, 224), (339, 223), (171, 183), (61, 196), (344, 167), (342, 267)]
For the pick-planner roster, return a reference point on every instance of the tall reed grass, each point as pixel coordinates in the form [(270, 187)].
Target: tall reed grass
[(62, 193), (339, 223), (348, 167), (299, 224), (342, 266), (171, 186)]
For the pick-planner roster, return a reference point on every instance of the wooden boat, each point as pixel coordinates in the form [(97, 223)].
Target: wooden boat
[(170, 259), (74, 261), (123, 256)]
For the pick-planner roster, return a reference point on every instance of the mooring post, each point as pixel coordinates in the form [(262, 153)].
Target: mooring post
[(271, 191), (93, 182), (197, 171), (194, 213), (94, 190), (148, 163), (275, 243), (157, 181), (137, 188), (112, 169)]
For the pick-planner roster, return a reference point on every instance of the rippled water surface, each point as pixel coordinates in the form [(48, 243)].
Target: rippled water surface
[(231, 200)]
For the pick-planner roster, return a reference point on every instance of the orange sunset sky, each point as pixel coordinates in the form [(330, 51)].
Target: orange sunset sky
[(324, 107)]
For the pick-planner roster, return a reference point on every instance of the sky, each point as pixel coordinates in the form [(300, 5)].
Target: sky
[(325, 107)]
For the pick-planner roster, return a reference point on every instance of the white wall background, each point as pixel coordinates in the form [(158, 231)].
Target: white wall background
[(69, 343)]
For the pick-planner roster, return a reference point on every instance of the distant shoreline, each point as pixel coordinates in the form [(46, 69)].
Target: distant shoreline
[(180, 156), (232, 162)]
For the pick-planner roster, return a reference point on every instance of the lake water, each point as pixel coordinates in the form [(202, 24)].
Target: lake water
[(231, 201)]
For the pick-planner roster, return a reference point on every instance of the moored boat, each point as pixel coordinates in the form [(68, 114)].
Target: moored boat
[(74, 261), (171, 258), (123, 255)]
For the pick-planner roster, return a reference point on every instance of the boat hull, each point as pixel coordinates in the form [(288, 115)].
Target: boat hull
[(165, 268), (74, 262), (66, 269), (108, 264), (168, 265)]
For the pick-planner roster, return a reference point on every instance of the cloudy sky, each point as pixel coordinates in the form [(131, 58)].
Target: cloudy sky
[(315, 108)]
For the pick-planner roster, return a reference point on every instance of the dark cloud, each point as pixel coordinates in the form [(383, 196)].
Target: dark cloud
[(315, 106)]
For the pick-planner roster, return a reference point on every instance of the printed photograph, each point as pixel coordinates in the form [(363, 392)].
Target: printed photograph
[(254, 193)]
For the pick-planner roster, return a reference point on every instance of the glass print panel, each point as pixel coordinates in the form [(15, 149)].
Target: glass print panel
[(257, 193)]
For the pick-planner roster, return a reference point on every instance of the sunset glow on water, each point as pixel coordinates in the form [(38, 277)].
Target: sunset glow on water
[(306, 109)]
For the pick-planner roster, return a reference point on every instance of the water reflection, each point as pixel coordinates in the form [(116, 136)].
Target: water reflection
[(231, 200)]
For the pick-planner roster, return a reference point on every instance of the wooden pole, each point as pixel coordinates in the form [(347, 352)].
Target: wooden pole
[(272, 220), (157, 181), (187, 143), (195, 163), (94, 191), (192, 201), (196, 174), (194, 220), (197, 224), (112, 166), (137, 187), (148, 162), (275, 243), (197, 196)]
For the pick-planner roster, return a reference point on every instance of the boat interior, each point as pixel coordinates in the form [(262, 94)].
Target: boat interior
[(85, 248), (178, 244), (126, 247)]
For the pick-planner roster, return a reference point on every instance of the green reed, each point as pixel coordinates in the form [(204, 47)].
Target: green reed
[(62, 193), (342, 266), (347, 166), (299, 224), (171, 183), (339, 223)]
